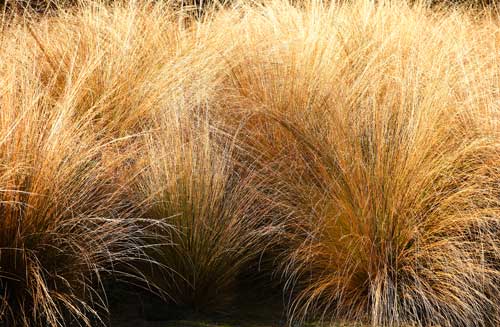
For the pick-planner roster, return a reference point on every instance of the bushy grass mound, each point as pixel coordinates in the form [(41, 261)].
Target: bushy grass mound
[(63, 225), (221, 222), (380, 124), (75, 98)]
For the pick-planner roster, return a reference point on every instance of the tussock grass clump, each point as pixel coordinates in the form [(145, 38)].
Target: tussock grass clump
[(189, 181), (80, 91), (62, 226), (381, 125), (72, 93)]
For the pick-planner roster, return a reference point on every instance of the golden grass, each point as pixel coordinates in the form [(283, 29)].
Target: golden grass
[(188, 180), (389, 117), (67, 124), (63, 225), (357, 143)]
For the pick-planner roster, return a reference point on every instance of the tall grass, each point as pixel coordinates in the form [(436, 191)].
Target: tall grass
[(354, 145), (62, 225), (133, 79), (381, 123), (189, 181), (72, 106)]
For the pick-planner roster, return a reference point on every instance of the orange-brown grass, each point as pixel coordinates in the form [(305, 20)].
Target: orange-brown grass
[(74, 89), (381, 125), (62, 224), (362, 138), (152, 74), (114, 65), (221, 221)]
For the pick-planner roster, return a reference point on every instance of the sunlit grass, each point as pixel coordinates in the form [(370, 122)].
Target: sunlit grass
[(350, 151)]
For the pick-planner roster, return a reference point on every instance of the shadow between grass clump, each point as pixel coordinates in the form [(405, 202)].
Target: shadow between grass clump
[(254, 306)]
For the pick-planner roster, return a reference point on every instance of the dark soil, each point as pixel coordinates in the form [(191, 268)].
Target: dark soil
[(133, 307)]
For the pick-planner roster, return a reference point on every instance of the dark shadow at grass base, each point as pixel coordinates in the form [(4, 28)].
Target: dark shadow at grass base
[(133, 307)]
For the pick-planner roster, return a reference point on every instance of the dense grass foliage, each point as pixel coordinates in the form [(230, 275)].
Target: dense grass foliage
[(386, 120), (351, 151), (63, 223), (221, 222)]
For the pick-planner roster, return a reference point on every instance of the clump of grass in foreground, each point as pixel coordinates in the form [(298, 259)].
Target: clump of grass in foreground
[(189, 181), (67, 109), (77, 85), (381, 125), (62, 226)]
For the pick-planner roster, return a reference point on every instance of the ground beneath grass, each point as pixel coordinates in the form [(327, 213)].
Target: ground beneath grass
[(196, 321), (135, 308), (188, 323)]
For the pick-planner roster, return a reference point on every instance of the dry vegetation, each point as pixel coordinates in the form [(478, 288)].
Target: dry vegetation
[(352, 150)]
